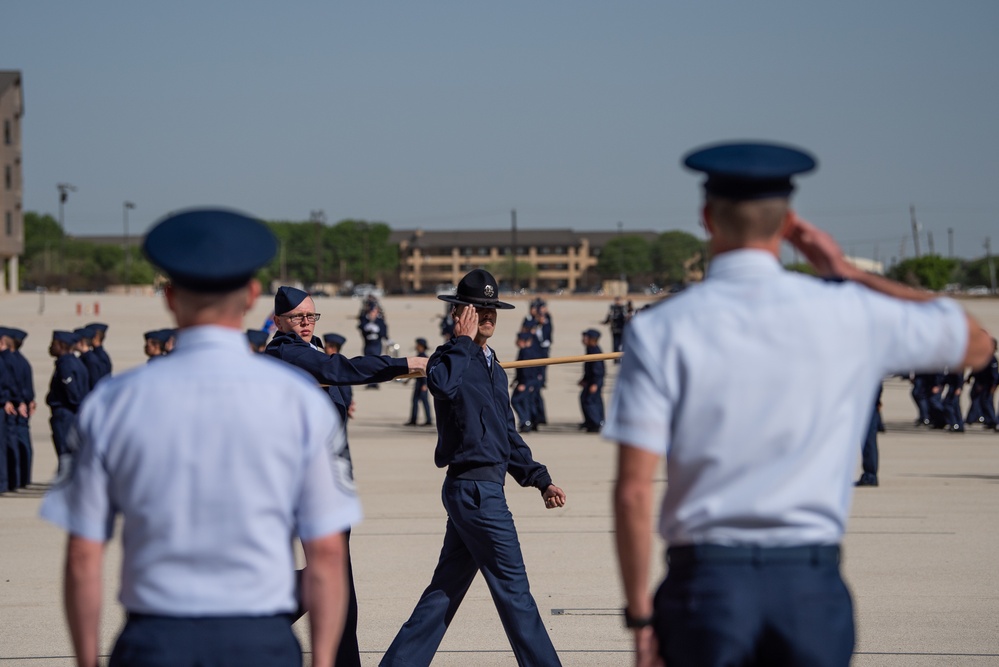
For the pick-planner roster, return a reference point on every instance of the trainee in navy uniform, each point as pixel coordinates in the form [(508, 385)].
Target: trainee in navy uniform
[(526, 383), (24, 401), (100, 333), (591, 400), (478, 443), (760, 482), (70, 384), (421, 396), (295, 342), (216, 459)]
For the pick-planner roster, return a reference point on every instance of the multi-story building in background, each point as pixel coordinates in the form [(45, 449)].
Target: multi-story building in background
[(558, 258), (11, 187)]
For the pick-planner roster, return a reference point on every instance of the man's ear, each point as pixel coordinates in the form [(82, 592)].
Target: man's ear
[(252, 293), (706, 222)]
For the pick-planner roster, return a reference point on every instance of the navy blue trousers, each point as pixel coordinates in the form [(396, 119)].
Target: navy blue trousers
[(747, 606), (61, 421), (592, 406), (480, 537), (420, 397), (869, 451), (162, 641), (524, 404)]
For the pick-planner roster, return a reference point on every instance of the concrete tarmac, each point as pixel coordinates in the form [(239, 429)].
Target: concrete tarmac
[(920, 551)]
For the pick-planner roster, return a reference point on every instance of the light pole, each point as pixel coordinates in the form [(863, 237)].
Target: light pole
[(128, 255), (620, 255), (319, 219), (64, 190)]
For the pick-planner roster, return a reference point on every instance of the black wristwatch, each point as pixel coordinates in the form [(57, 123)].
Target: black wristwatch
[(633, 623)]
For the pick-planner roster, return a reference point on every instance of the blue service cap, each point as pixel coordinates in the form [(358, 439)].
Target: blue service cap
[(97, 326), (287, 298), (745, 171), (257, 337), (591, 333), (210, 249), (67, 337), (334, 339)]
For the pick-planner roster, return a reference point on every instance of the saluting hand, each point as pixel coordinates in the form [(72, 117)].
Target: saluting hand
[(554, 497), (467, 322), (818, 247)]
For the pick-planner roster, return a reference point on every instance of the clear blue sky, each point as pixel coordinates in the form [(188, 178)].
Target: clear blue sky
[(447, 114)]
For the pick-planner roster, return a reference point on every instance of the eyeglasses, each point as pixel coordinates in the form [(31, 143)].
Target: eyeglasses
[(301, 318)]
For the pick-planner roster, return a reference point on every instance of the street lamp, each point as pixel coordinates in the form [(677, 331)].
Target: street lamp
[(64, 190), (128, 256)]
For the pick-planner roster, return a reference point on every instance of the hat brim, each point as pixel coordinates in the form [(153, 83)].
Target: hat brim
[(478, 303)]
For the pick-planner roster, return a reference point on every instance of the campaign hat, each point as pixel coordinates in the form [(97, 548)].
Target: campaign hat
[(478, 288), (334, 339), (749, 170), (209, 249), (287, 298)]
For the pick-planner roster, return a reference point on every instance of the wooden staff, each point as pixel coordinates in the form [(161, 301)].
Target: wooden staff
[(550, 361)]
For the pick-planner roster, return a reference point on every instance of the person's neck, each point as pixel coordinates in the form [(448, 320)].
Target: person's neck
[(718, 246)]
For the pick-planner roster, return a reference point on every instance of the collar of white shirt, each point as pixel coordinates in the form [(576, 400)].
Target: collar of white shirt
[(739, 263)]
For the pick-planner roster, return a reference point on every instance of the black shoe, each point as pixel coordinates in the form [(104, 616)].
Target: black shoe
[(593, 429), (867, 480), (410, 424), (526, 427)]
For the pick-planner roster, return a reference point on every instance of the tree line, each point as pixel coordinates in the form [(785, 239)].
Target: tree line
[(359, 251)]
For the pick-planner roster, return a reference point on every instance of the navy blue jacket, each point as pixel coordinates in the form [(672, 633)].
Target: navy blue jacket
[(102, 354), (477, 437), (94, 366), (23, 382), (70, 384), (593, 371)]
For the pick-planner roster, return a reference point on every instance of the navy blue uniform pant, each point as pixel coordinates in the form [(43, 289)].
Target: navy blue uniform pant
[(480, 537), (752, 606), (869, 451), (420, 397), (18, 452), (592, 406), (8, 467), (523, 403), (230, 641), (61, 421)]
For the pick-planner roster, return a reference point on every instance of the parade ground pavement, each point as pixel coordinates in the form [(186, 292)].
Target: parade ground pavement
[(920, 554)]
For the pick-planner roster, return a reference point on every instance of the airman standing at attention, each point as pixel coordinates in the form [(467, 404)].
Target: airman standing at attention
[(69, 386), (97, 345), (216, 459), (591, 400), (23, 399), (420, 394)]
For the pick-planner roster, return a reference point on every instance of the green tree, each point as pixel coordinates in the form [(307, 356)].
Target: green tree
[(929, 271), (676, 255), (503, 270), (630, 256), (801, 267)]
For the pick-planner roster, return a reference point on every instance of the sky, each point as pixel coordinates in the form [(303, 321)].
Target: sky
[(450, 114)]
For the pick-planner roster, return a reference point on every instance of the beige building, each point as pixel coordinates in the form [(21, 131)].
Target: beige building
[(559, 258), (11, 187)]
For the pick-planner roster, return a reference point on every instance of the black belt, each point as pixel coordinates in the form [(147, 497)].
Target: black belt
[(814, 554)]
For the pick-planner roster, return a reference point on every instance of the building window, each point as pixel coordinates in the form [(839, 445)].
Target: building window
[(8, 177), (559, 250), (9, 224), (8, 136)]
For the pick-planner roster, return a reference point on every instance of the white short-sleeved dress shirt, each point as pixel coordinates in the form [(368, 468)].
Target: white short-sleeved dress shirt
[(216, 458), (756, 385)]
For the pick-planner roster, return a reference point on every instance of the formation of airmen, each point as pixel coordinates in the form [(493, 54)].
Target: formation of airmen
[(938, 398)]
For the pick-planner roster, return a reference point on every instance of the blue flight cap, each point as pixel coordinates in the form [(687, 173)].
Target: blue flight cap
[(151, 335), (745, 171), (161, 335), (16, 334), (525, 335), (422, 342), (84, 333), (257, 337), (210, 249), (591, 333), (97, 326), (67, 337), (287, 298), (334, 339)]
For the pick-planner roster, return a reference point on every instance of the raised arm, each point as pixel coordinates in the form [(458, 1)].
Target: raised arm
[(823, 253)]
